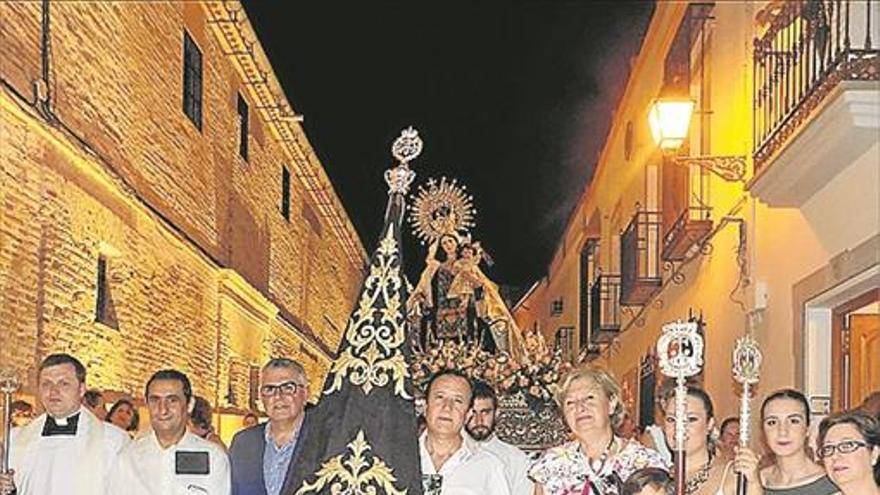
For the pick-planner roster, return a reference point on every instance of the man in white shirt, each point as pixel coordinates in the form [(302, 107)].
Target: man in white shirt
[(481, 427), (452, 462), (171, 460), (67, 450)]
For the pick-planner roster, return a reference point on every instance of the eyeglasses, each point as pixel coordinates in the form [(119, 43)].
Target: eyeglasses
[(286, 388), (844, 447)]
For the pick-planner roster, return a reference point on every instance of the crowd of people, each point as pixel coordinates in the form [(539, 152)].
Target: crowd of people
[(78, 447)]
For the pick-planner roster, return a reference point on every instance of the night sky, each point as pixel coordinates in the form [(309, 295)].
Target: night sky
[(512, 99)]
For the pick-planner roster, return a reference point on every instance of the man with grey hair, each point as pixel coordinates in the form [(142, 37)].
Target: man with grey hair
[(261, 455)]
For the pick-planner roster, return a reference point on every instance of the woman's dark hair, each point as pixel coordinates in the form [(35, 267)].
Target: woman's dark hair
[(201, 413), (440, 255), (135, 416), (698, 393), (788, 393), (867, 425), (642, 478)]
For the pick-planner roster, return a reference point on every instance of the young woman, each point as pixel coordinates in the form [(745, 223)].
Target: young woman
[(785, 421), (849, 446), (124, 415), (707, 472)]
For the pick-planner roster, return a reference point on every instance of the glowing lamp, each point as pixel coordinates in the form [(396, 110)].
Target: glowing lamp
[(669, 119)]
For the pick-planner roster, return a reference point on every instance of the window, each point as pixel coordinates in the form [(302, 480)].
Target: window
[(104, 311), (588, 272), (285, 193), (242, 127), (563, 342), (556, 307), (192, 80)]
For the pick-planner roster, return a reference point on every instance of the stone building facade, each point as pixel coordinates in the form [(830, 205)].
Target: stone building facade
[(161, 205)]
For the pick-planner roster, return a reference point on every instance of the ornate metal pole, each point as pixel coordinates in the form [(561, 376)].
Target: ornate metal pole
[(746, 370), (680, 349), (9, 383)]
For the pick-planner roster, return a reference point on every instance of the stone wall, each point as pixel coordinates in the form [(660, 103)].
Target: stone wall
[(204, 273)]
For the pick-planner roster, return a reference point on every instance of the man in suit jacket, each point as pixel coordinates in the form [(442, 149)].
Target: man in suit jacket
[(261, 455)]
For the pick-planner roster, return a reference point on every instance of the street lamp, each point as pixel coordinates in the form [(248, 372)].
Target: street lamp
[(669, 118)]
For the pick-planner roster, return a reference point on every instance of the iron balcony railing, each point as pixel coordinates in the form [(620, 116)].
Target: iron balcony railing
[(640, 258), (605, 305), (807, 48), (690, 228)]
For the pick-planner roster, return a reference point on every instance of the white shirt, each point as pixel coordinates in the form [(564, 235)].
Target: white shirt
[(145, 468), (77, 464), (469, 471), (515, 465)]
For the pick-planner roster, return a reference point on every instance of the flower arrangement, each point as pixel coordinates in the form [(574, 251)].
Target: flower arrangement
[(535, 375)]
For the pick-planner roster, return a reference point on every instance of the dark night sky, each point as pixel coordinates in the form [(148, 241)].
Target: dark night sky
[(512, 99)]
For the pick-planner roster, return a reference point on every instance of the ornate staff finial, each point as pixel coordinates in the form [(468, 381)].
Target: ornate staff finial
[(9, 383), (405, 149), (680, 350), (747, 371)]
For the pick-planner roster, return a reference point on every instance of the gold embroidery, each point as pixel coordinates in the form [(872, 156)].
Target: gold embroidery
[(375, 331), (354, 474)]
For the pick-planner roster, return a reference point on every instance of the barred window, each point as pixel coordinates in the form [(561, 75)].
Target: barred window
[(192, 80), (243, 127), (285, 193)]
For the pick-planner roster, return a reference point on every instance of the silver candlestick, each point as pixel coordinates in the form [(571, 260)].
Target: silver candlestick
[(9, 383), (680, 350)]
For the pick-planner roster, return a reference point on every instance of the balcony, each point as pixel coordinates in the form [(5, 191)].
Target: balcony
[(689, 230), (605, 304), (640, 259), (816, 100)]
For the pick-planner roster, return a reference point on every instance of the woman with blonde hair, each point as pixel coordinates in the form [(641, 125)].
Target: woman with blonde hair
[(598, 460)]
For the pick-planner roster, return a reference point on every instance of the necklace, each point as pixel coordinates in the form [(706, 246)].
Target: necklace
[(692, 485), (600, 461)]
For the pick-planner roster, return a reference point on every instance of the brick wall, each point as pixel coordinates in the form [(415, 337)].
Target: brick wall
[(124, 173)]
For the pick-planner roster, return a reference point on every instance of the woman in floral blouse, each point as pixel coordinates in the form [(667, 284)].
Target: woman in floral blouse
[(598, 460)]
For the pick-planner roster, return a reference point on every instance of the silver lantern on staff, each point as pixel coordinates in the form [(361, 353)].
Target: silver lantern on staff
[(680, 351)]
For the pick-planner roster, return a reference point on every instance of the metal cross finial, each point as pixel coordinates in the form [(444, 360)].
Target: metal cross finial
[(406, 148)]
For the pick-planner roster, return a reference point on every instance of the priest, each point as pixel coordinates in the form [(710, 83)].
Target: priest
[(66, 450)]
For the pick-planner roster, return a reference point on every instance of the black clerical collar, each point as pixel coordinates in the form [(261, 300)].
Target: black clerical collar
[(53, 427)]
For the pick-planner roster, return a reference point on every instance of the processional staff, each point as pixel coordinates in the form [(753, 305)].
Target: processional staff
[(746, 370), (9, 383), (680, 350)]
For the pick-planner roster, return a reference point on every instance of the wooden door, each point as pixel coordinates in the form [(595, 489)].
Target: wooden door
[(855, 344), (864, 346)]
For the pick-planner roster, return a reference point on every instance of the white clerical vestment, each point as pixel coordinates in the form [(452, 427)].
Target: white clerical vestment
[(77, 464), (145, 468), (471, 470), (515, 465)]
